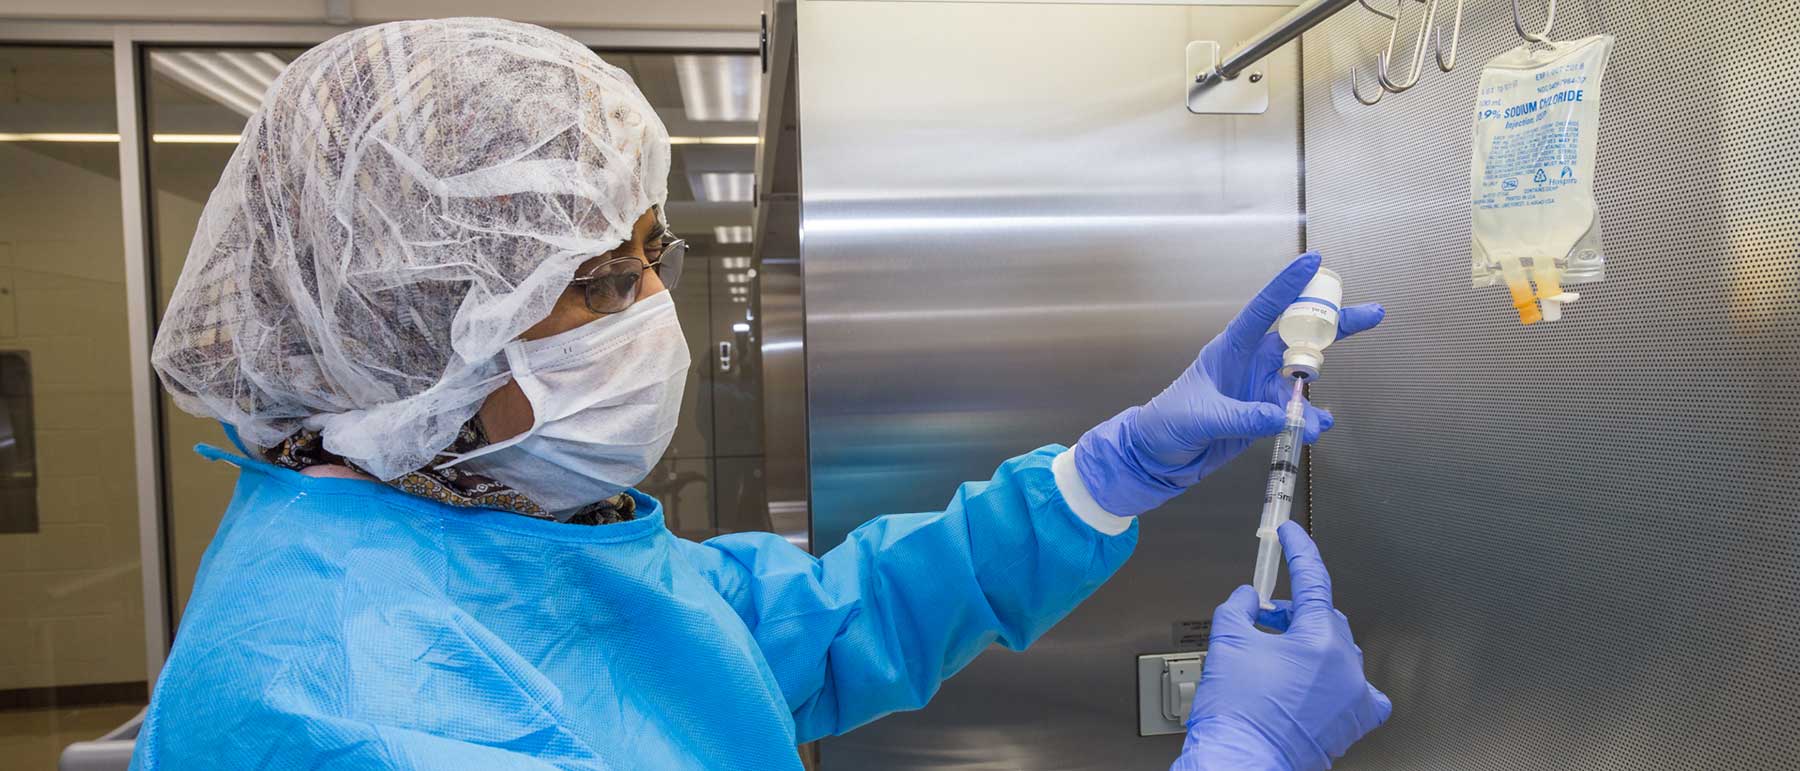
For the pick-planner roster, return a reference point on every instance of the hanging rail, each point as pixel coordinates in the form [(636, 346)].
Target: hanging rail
[(1304, 17)]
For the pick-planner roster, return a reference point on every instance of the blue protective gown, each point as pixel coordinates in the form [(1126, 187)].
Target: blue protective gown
[(339, 623)]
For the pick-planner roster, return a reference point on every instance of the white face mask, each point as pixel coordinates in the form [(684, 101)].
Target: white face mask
[(604, 401)]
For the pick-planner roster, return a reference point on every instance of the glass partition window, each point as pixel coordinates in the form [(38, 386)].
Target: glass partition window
[(71, 614), (197, 101)]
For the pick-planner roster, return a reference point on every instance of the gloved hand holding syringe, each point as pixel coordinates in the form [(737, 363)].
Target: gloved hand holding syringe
[(1308, 326)]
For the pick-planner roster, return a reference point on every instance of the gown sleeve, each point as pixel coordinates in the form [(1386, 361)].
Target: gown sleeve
[(875, 624)]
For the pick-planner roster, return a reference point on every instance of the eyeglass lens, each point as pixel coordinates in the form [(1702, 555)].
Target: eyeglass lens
[(614, 286)]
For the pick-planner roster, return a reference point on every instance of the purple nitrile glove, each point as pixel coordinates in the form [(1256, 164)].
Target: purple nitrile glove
[(1293, 700), (1232, 395)]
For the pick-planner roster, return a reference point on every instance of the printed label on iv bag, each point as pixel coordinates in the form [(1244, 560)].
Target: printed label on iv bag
[(1536, 124)]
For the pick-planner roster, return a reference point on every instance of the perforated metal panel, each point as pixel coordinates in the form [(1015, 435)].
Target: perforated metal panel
[(1572, 545)]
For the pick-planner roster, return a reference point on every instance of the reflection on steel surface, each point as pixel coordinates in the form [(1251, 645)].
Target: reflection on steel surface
[(1013, 228)]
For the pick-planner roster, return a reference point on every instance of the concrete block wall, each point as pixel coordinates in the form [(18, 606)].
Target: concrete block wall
[(71, 611)]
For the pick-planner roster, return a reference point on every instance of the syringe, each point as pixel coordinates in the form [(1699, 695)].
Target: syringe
[(1278, 498)]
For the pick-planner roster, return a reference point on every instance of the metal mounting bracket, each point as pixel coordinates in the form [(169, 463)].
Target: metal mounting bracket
[(1207, 94)]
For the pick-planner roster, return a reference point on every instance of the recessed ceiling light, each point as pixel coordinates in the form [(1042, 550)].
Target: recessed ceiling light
[(722, 140), (237, 82), (732, 234), (65, 136), (197, 139), (720, 88), (58, 136), (723, 186)]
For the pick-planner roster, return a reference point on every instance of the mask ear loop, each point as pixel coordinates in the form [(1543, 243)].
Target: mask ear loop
[(484, 450), (517, 366)]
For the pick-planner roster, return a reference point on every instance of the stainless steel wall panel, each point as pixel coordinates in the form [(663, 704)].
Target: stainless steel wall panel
[(1572, 545), (1013, 228), (787, 489)]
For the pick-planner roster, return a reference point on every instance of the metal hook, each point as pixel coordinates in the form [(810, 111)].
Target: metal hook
[(1420, 42), (1380, 57), (1377, 11), (1448, 64), (1549, 23), (1356, 90)]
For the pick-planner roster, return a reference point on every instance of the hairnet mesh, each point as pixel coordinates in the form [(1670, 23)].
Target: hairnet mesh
[(409, 198)]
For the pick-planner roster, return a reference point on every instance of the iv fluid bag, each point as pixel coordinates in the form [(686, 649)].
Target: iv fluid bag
[(1536, 132)]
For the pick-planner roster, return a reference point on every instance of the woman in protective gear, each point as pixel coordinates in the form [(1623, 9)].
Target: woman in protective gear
[(429, 300)]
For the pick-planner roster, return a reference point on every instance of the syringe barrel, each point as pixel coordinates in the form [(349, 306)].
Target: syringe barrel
[(1273, 513), (1268, 567), (1278, 498)]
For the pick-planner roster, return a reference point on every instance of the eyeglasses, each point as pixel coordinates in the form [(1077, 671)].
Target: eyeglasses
[(612, 286)]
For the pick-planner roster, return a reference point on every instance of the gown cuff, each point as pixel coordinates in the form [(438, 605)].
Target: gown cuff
[(1081, 501)]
